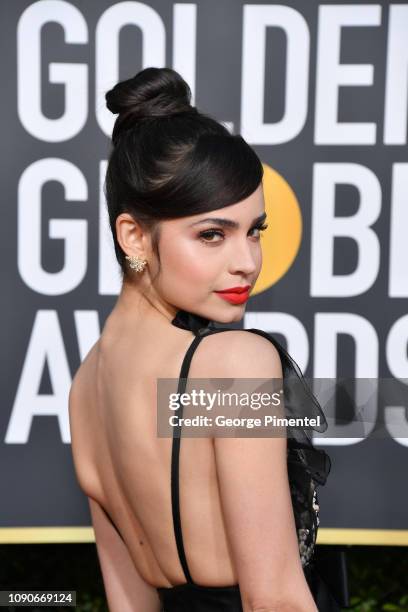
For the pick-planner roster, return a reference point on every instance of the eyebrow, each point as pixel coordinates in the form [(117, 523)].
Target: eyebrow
[(228, 222)]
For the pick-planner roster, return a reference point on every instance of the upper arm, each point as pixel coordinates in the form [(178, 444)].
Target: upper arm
[(254, 487), (126, 591), (80, 447)]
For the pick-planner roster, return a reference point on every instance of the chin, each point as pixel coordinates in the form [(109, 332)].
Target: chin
[(235, 315), (238, 316)]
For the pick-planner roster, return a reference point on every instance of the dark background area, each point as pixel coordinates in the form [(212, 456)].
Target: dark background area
[(369, 472), (378, 575)]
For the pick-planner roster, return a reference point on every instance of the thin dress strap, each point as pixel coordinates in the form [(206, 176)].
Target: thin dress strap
[(175, 456), (188, 321)]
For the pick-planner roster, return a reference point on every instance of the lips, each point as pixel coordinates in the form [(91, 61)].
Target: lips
[(235, 289), (235, 295)]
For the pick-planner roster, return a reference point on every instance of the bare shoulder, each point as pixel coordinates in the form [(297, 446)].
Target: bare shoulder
[(236, 352), (79, 388), (84, 369), (253, 484)]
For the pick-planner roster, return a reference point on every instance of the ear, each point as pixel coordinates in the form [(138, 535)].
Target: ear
[(131, 236)]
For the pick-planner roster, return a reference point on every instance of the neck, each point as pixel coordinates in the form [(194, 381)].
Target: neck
[(136, 303)]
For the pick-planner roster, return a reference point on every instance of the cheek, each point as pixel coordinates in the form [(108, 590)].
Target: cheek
[(186, 261)]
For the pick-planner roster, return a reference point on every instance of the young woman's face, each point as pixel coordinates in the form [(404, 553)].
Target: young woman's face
[(210, 252)]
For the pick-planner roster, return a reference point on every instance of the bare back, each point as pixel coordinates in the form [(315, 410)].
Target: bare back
[(123, 465)]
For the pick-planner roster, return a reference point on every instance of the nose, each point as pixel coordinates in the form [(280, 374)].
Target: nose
[(245, 257)]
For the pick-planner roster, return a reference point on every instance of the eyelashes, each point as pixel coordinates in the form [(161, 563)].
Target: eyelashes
[(216, 232)]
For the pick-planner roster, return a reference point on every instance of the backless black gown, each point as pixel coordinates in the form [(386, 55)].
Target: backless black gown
[(308, 467)]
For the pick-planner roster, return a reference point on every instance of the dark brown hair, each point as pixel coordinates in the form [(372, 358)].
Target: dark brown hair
[(169, 160)]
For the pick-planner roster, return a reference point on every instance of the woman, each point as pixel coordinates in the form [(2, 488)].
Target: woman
[(216, 523)]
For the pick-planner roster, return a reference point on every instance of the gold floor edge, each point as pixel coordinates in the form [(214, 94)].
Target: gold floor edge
[(66, 535)]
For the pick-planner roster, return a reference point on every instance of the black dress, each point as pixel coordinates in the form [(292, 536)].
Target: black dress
[(307, 468)]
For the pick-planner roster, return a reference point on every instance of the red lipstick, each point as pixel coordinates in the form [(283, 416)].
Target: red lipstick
[(235, 295)]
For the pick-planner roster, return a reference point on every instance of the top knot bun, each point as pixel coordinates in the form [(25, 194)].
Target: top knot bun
[(152, 92)]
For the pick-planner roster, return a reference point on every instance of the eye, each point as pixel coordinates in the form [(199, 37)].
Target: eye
[(207, 235), (260, 228)]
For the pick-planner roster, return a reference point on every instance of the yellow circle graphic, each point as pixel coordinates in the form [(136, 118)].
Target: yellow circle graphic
[(281, 241)]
